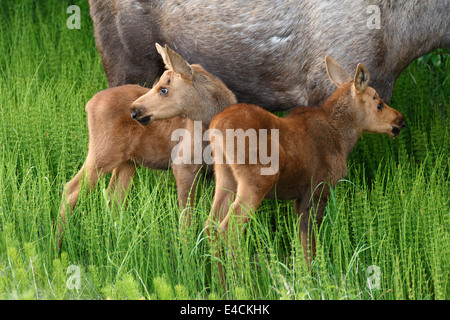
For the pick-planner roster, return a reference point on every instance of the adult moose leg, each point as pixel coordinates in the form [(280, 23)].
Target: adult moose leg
[(125, 58)]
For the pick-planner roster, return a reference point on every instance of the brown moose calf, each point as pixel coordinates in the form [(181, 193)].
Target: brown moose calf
[(117, 142), (312, 145)]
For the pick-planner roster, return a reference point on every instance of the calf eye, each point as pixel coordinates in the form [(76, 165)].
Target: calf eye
[(163, 91), (380, 106)]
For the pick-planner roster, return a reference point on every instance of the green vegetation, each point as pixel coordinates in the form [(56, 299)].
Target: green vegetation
[(387, 222)]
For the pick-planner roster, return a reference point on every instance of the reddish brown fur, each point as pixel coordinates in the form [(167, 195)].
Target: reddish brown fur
[(314, 144), (117, 142)]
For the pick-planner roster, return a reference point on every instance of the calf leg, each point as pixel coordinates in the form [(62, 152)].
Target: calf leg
[(303, 208), (186, 177), (252, 187), (251, 190), (89, 173), (247, 200), (225, 190), (120, 181)]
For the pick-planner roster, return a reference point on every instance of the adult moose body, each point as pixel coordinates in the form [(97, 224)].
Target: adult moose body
[(269, 53)]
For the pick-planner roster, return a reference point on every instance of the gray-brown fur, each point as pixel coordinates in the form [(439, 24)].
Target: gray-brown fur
[(268, 52)]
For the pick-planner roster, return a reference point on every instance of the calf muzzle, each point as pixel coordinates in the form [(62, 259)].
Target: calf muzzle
[(399, 124), (136, 114)]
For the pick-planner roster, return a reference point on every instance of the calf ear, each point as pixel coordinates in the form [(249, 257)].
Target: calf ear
[(336, 73), (163, 53), (174, 61), (362, 78), (179, 65)]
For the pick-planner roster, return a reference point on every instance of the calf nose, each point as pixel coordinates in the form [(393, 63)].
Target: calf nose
[(136, 111), (400, 121)]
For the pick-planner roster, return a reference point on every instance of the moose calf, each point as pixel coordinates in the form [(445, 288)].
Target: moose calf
[(117, 142), (312, 144)]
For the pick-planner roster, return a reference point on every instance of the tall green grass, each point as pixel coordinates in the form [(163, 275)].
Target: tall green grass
[(387, 221)]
